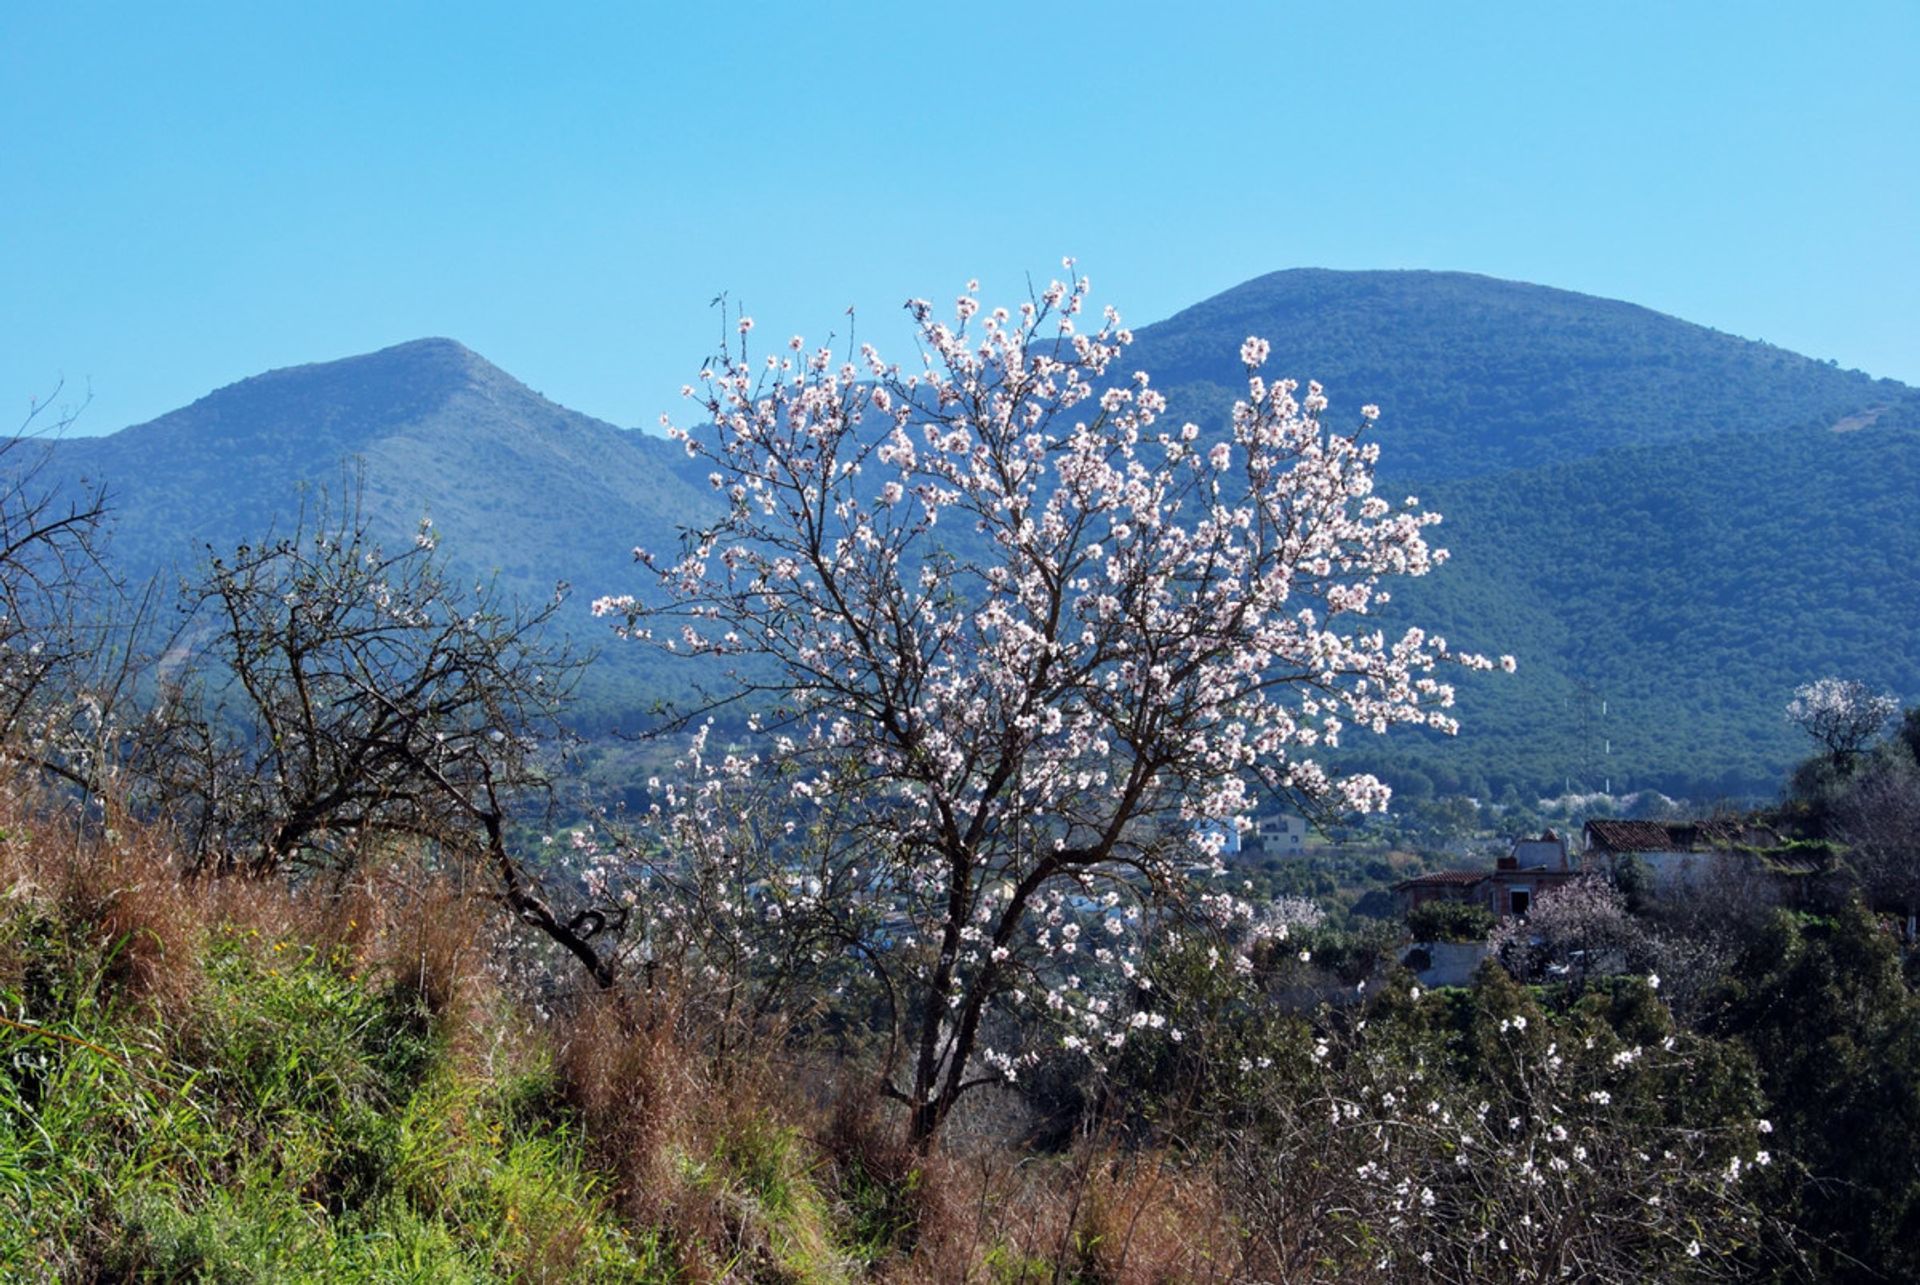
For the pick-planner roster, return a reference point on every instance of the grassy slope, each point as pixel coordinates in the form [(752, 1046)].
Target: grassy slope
[(195, 1091), (225, 1081)]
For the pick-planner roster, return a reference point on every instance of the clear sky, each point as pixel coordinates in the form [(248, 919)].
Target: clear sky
[(198, 192)]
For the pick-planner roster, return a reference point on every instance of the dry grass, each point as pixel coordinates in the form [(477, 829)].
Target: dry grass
[(1095, 1215), (742, 1166), (664, 1129), (426, 933), (114, 890), (621, 1069), (115, 897)]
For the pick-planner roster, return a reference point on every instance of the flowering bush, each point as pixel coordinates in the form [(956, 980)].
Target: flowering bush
[(1563, 1148), (1018, 657), (1577, 930), (1464, 1136), (1841, 714)]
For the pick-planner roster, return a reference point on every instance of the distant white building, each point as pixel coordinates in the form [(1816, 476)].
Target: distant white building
[(1225, 833), (1281, 834)]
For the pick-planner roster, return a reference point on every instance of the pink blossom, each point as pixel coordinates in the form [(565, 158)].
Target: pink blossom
[(1074, 698)]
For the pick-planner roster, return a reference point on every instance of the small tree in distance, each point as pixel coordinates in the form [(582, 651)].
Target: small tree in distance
[(1582, 928), (1841, 714), (1033, 654)]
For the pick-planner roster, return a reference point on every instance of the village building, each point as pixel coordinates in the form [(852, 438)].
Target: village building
[(1676, 854), (1282, 834), (1690, 858), (1532, 866)]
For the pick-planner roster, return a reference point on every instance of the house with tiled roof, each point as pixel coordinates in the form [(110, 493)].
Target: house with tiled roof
[(1683, 857), (1677, 854), (1442, 885), (1532, 867)]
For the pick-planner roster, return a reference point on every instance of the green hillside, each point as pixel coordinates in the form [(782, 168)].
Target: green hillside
[(1474, 375), (517, 486), (1690, 588), (1648, 513)]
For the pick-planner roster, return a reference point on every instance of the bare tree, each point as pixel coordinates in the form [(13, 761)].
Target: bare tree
[(343, 694), (66, 628)]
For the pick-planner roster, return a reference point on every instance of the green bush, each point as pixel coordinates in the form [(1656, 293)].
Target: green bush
[(1450, 921)]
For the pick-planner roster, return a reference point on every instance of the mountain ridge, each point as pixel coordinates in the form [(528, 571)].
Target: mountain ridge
[(1500, 399), (1474, 374)]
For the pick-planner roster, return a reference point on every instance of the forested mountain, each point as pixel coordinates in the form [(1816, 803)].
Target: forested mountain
[(515, 482), (1473, 375), (517, 487), (1667, 599), (1648, 513)]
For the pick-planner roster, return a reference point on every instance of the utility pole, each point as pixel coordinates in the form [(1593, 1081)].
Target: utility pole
[(1593, 749)]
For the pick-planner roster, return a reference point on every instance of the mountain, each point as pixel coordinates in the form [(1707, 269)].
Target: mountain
[(518, 488), (1473, 375), (1671, 526), (1666, 600), (515, 483), (1675, 522)]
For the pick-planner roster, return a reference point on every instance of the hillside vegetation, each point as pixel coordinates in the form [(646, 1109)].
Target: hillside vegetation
[(1475, 375), (518, 489), (1646, 512), (1689, 589), (369, 1077), (362, 1080)]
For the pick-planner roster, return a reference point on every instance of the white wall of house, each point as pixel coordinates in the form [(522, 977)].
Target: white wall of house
[(1454, 962), (1673, 872), (1551, 853), (1281, 835)]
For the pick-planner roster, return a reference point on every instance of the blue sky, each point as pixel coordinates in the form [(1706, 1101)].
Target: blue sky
[(196, 193)]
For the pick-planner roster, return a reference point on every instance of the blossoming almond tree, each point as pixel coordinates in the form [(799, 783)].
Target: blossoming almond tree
[(1842, 714), (1043, 646), (1582, 927)]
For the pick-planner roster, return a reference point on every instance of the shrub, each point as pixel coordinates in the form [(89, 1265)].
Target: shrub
[(1450, 921)]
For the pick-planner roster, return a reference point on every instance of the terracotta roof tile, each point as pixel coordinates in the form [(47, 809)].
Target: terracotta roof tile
[(1444, 879), (1630, 836), (1674, 836)]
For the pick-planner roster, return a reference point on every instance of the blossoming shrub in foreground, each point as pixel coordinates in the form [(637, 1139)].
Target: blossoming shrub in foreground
[(1462, 1136)]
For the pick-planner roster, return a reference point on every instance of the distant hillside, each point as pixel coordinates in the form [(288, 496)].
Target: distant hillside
[(517, 486), (1474, 375), (1666, 600), (1646, 512), (516, 483)]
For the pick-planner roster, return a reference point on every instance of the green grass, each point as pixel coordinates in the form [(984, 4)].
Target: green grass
[(292, 1122), (192, 1090), (761, 1175)]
